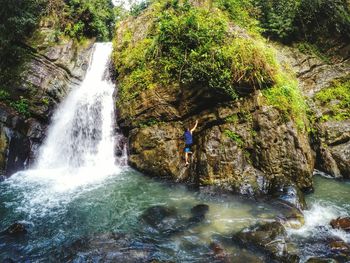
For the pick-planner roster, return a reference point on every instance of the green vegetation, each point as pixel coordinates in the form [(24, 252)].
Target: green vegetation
[(242, 12), (137, 8), (19, 20), (45, 100), (317, 22), (234, 137), (149, 123), (232, 119), (21, 106), (286, 96), (337, 100), (93, 18), (194, 46), (4, 95)]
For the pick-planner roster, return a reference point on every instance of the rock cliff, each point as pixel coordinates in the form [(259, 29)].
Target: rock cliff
[(326, 87), (49, 72), (245, 145)]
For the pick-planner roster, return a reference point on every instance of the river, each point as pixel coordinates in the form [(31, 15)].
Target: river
[(78, 189)]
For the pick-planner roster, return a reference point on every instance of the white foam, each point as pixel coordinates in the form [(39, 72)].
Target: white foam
[(318, 217)]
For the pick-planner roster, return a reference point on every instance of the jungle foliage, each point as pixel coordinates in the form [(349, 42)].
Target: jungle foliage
[(196, 46), (318, 22)]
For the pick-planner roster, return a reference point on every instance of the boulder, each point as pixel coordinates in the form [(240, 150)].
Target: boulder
[(198, 213), (162, 220), (110, 247), (264, 150), (289, 193), (341, 223), (334, 148), (16, 229), (270, 238), (156, 214), (339, 246)]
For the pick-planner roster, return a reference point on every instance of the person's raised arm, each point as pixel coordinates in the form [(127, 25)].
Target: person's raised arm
[(195, 126)]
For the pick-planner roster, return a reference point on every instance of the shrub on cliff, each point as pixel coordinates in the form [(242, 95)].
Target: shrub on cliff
[(192, 46), (202, 47)]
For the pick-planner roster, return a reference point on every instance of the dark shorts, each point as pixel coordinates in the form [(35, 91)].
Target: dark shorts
[(188, 148)]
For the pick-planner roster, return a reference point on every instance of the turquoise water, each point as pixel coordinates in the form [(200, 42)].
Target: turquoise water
[(57, 218)]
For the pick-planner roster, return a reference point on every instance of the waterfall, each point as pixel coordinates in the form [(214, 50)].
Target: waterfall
[(79, 150), (81, 134)]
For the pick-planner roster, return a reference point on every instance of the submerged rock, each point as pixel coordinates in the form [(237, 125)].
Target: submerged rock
[(339, 245), (321, 260), (270, 238), (341, 223), (16, 229), (198, 213), (156, 214), (162, 220), (110, 247), (219, 252), (289, 193)]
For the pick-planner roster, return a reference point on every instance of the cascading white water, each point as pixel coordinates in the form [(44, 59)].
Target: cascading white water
[(79, 149), (81, 134)]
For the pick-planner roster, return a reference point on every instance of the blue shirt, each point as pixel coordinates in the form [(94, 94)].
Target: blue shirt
[(188, 137)]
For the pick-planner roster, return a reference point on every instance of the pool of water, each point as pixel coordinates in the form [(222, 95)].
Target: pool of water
[(57, 214)]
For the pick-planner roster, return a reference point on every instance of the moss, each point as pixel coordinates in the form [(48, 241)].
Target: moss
[(336, 99), (21, 106), (232, 119), (286, 96), (234, 137)]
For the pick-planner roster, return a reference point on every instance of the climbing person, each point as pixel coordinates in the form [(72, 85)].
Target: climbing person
[(189, 142)]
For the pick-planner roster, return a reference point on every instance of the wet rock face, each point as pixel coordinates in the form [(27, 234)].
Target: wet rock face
[(19, 140), (341, 223), (271, 238), (51, 71), (313, 73), (332, 142), (334, 148), (244, 146)]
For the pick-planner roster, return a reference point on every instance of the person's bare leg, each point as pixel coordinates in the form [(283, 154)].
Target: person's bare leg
[(186, 158)]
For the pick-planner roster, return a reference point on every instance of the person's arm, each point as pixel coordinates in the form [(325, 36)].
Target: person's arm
[(195, 126)]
